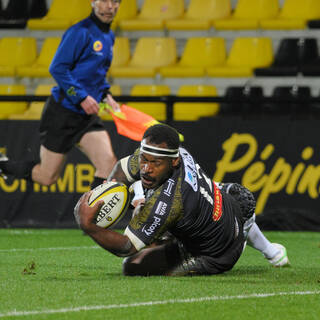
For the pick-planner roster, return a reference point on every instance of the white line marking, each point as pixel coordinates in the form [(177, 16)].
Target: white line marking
[(152, 303), (49, 249)]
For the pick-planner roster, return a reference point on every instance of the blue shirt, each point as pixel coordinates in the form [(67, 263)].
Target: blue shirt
[(81, 63)]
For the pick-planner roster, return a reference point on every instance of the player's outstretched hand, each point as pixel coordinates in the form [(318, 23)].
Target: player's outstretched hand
[(84, 214)]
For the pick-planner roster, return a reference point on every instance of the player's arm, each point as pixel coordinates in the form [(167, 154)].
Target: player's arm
[(122, 171), (112, 241)]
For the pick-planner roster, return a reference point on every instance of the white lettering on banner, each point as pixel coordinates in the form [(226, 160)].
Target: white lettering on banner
[(190, 169), (161, 208), (150, 230)]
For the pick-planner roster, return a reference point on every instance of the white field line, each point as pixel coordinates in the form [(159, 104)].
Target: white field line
[(32, 232), (48, 249), (153, 303)]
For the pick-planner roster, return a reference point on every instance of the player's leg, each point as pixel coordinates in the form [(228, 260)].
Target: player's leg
[(98, 148), (48, 170), (45, 172), (275, 253), (152, 261)]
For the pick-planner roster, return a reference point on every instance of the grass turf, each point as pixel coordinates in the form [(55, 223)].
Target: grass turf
[(61, 274)]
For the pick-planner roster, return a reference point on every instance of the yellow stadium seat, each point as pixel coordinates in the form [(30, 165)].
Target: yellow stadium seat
[(115, 89), (199, 15), (188, 111), (149, 55), (247, 15), (121, 52), (8, 108), (61, 15), (35, 109), (199, 53), (294, 15), (16, 52), (40, 68), (154, 109), (128, 10), (153, 14), (245, 55)]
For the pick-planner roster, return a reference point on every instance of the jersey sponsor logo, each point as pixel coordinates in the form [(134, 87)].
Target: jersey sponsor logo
[(97, 46), (151, 229), (191, 176), (168, 190), (71, 92), (217, 208), (161, 208)]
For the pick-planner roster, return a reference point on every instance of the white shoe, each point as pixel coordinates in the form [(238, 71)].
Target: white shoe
[(280, 259)]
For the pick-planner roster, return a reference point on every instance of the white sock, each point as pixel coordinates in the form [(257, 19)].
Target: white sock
[(257, 240)]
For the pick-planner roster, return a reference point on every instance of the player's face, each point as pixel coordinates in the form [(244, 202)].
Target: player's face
[(105, 10), (154, 171)]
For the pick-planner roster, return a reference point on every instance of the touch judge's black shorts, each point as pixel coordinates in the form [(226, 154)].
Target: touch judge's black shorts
[(61, 129)]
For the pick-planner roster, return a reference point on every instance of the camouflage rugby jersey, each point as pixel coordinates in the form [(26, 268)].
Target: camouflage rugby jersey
[(188, 205)]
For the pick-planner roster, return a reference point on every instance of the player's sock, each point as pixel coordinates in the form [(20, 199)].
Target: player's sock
[(18, 169), (257, 240), (97, 181)]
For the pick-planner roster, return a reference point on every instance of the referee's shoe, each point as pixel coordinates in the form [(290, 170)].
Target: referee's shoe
[(3, 159)]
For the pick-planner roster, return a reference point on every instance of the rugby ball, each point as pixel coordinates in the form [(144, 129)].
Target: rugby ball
[(116, 199)]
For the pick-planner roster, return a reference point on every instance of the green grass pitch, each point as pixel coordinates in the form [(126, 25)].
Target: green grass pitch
[(61, 274)]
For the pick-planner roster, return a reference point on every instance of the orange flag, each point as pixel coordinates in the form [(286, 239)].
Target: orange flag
[(131, 122)]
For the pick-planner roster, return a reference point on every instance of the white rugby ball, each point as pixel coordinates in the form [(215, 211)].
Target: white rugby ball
[(116, 199)]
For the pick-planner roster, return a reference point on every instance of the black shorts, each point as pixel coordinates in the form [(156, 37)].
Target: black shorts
[(61, 129), (186, 263), (189, 265)]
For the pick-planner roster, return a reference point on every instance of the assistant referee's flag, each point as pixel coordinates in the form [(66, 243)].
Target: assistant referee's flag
[(131, 122)]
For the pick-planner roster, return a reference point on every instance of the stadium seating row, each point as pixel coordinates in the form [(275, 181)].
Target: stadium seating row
[(172, 14), (201, 56), (181, 111), (200, 14), (21, 110)]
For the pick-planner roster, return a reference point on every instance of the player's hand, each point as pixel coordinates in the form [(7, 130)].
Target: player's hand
[(84, 214), (112, 103), (138, 202), (90, 105)]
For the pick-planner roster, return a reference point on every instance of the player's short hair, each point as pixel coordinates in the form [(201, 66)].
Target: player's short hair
[(163, 133)]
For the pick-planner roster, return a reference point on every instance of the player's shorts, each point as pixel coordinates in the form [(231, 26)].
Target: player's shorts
[(61, 129), (188, 265)]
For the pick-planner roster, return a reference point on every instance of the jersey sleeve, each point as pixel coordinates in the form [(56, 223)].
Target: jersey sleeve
[(72, 45), (130, 166), (159, 213)]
